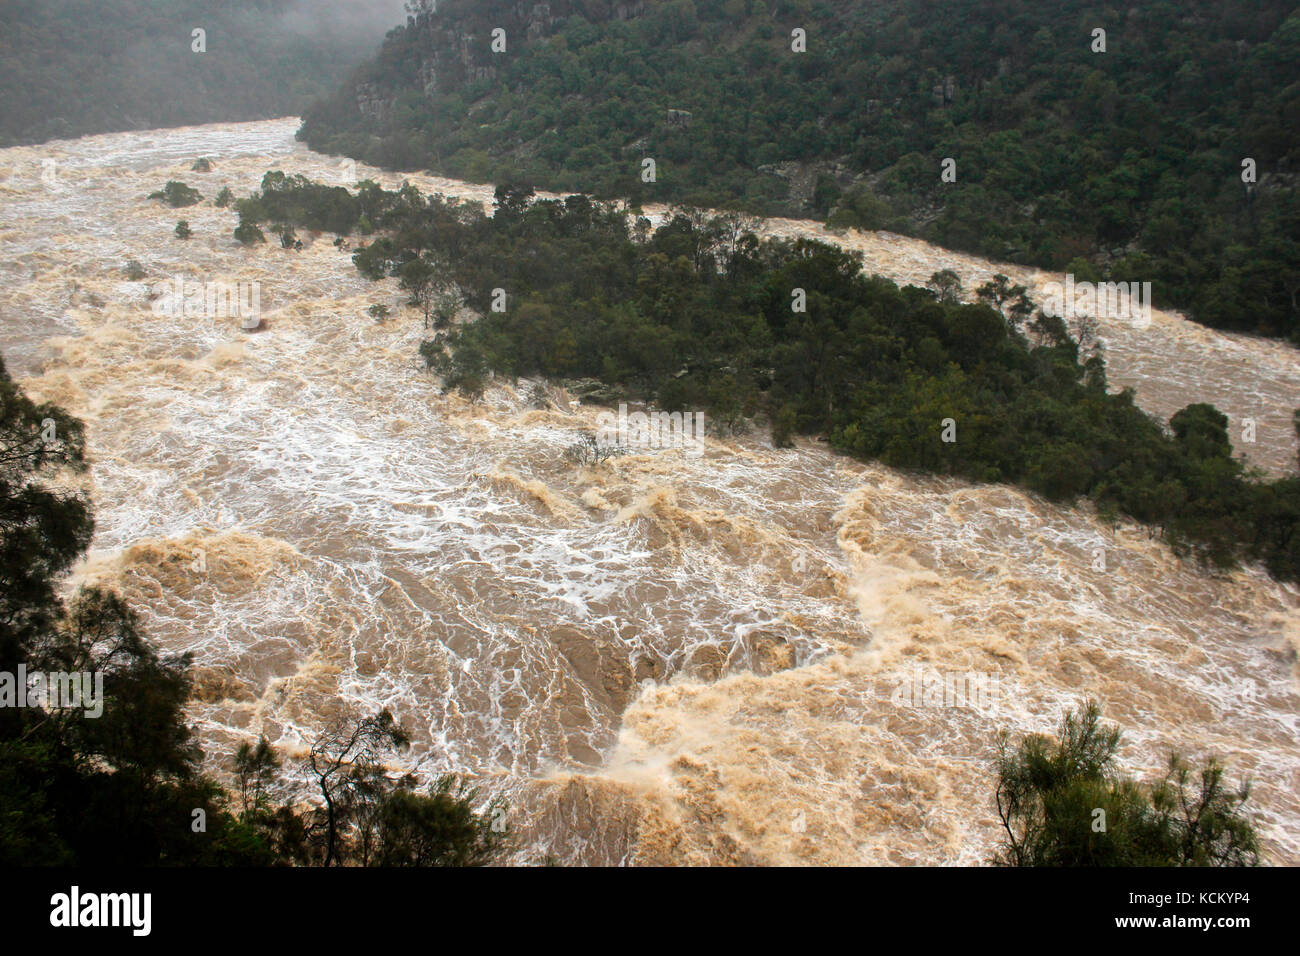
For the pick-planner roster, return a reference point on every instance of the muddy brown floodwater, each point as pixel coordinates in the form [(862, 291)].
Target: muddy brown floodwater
[(663, 659)]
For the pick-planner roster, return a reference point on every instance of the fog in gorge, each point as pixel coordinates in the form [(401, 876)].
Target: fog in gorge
[(76, 67)]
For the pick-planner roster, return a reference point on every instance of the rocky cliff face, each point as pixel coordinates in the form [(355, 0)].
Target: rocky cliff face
[(372, 101), (456, 41)]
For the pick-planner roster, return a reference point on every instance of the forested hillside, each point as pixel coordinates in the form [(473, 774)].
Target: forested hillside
[(1125, 164), (76, 67)]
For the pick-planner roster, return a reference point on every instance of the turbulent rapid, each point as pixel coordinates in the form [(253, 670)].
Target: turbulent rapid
[(661, 659)]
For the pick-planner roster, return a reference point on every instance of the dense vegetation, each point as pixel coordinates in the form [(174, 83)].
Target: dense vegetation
[(1062, 803), (123, 787), (1127, 162), (75, 67), (699, 314)]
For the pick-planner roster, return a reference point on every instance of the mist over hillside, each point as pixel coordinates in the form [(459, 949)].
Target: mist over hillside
[(76, 67)]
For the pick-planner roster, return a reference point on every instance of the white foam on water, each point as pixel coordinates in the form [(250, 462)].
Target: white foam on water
[(664, 659)]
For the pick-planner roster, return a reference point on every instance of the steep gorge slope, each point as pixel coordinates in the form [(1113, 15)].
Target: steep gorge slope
[(1126, 163)]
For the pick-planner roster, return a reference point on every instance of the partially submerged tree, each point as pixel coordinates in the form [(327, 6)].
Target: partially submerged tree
[(785, 421), (255, 766), (344, 760), (446, 304), (946, 285), (440, 828), (590, 450), (1012, 302), (288, 237), (177, 194), (373, 818), (1062, 803), (426, 280), (246, 234)]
